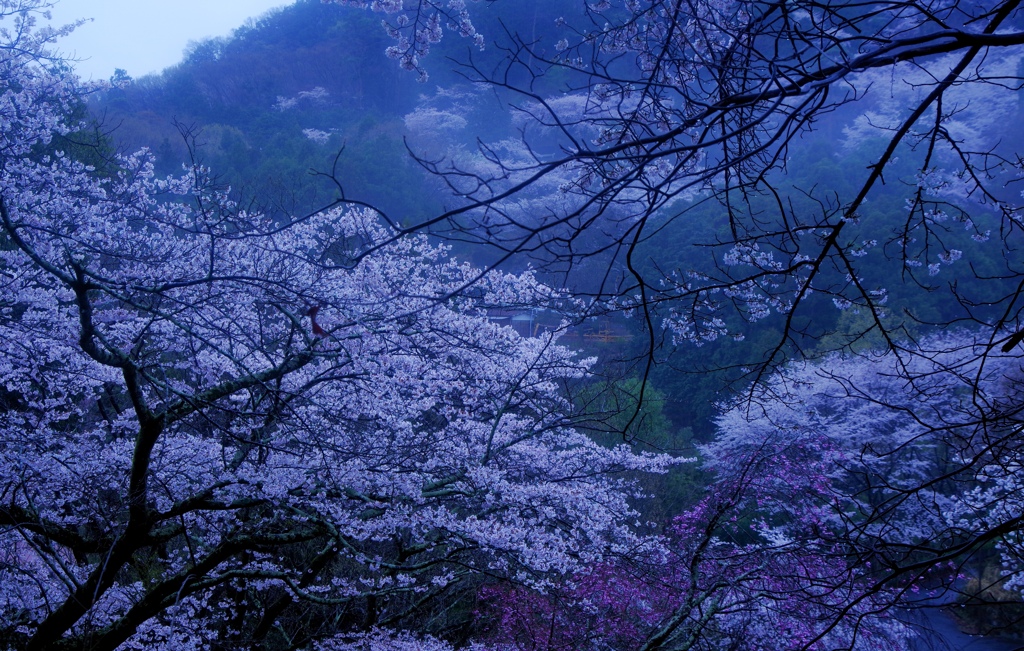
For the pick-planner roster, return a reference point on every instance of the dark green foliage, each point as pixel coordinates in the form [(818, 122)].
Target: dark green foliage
[(627, 411)]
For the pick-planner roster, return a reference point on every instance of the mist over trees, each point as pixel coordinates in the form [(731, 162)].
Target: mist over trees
[(645, 324)]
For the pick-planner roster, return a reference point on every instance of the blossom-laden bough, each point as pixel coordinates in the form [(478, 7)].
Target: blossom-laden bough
[(838, 500)]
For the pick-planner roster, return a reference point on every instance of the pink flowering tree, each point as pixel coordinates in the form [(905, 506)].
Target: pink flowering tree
[(217, 430), (748, 567), (916, 456)]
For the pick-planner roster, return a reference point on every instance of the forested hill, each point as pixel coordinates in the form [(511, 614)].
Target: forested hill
[(285, 92)]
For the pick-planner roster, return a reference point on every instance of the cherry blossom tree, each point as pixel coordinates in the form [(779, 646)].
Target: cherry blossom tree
[(840, 491), (221, 431), (921, 474)]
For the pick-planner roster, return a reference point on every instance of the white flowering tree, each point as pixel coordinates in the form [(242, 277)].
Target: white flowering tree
[(218, 431), (908, 478)]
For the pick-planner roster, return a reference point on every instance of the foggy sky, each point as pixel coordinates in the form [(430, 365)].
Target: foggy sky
[(144, 36)]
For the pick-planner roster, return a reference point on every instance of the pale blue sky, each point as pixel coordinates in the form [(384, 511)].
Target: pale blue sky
[(144, 36)]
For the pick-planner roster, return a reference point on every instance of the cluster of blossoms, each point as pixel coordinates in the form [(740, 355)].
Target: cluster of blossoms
[(315, 95), (218, 429), (417, 29), (317, 136)]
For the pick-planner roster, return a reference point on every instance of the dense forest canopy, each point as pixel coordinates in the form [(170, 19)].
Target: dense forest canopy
[(639, 324)]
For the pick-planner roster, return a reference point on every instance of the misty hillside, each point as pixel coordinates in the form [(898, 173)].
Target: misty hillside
[(286, 92)]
